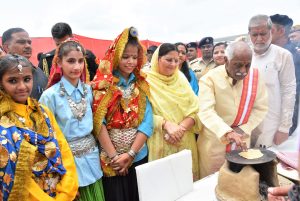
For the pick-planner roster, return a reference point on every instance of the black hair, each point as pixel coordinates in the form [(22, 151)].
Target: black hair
[(151, 49), (67, 47), (7, 35), (133, 37), (165, 48), (11, 61), (132, 41), (219, 44), (60, 30), (185, 67)]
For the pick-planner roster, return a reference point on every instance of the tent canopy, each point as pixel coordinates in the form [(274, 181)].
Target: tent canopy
[(97, 46)]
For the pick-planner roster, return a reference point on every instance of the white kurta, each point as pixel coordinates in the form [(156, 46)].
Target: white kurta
[(277, 68)]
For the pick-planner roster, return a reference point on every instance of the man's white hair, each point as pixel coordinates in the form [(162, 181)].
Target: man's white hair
[(230, 50), (259, 20)]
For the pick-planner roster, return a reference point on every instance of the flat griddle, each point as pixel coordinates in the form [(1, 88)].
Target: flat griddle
[(234, 157)]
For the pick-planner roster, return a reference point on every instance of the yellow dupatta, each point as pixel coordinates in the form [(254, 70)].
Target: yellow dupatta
[(172, 99), (171, 96)]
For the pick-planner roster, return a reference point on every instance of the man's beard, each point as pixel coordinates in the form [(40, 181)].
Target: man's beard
[(259, 48)]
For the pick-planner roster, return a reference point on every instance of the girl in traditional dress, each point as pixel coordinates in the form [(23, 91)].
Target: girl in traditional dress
[(35, 160), (175, 107), (70, 100), (122, 115)]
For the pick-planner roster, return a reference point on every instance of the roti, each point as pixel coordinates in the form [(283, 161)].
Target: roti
[(251, 154)]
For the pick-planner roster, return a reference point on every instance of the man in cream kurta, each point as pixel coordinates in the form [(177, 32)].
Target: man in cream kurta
[(219, 96), (276, 66)]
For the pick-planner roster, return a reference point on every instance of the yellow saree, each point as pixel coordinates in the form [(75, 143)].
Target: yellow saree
[(172, 99)]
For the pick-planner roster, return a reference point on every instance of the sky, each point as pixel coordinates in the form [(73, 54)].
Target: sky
[(156, 20)]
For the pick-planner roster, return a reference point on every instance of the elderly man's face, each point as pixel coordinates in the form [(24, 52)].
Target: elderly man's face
[(239, 65), (261, 38), (20, 44)]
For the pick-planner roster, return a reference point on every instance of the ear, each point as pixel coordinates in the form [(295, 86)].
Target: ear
[(281, 31), (5, 47), (273, 29)]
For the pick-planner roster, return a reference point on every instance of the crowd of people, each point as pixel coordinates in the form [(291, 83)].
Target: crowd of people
[(74, 129)]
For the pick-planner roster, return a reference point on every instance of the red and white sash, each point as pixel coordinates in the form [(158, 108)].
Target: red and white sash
[(250, 84)]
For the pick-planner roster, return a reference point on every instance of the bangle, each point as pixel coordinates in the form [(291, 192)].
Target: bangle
[(131, 153)]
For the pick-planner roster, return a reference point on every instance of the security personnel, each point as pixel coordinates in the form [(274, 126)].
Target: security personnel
[(206, 62), (45, 62), (295, 36), (281, 26), (60, 32), (192, 56), (192, 52)]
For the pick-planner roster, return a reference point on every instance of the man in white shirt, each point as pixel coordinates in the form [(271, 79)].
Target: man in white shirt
[(277, 68)]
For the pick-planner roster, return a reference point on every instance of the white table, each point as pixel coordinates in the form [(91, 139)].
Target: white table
[(203, 189)]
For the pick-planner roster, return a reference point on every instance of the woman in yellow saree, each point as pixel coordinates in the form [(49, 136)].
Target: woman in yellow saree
[(175, 107)]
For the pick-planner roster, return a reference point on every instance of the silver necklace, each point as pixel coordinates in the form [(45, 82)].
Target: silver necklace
[(126, 93), (78, 109)]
